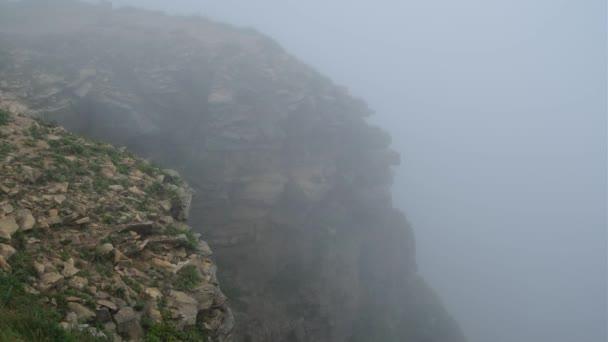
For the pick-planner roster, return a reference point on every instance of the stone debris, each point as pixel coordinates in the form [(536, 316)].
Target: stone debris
[(25, 219), (109, 247), (8, 227), (7, 208)]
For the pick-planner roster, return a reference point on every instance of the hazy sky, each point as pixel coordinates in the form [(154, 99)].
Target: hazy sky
[(499, 111)]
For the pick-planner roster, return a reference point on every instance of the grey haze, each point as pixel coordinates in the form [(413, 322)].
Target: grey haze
[(498, 109)]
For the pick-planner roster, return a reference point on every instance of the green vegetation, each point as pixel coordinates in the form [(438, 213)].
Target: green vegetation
[(68, 144), (156, 189), (192, 240), (159, 190), (29, 142), (4, 118), (23, 316), (5, 148), (146, 167), (38, 132), (165, 331), (187, 278), (172, 179)]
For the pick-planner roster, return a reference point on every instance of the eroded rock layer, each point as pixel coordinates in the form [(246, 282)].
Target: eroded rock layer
[(292, 185)]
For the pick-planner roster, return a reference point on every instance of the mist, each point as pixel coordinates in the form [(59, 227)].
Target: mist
[(498, 110)]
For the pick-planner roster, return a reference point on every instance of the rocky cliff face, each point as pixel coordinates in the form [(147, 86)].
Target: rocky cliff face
[(292, 185), (98, 236)]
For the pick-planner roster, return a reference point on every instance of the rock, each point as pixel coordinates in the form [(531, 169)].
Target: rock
[(71, 321), (110, 327), (168, 220), (31, 173), (30, 290), (49, 280), (116, 187), (142, 228), (108, 173), (78, 283), (103, 315), (172, 173), (4, 266), (151, 297), (127, 322), (108, 304), (103, 295), (118, 256), (59, 187), (83, 313), (53, 137), (69, 269), (174, 241), (7, 208), (8, 227), (205, 296), (83, 220), (54, 217), (25, 219), (166, 205), (7, 251), (214, 319), (137, 248), (59, 198), (180, 210), (105, 249), (70, 217), (40, 268), (164, 265), (203, 249), (153, 292), (185, 307), (134, 190)]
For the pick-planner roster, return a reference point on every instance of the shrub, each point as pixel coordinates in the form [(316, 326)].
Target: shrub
[(187, 278), (4, 118)]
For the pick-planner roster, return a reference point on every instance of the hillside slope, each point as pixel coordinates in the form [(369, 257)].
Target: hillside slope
[(93, 240), (292, 185)]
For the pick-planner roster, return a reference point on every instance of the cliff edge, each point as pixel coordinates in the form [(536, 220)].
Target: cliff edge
[(94, 245), (292, 184)]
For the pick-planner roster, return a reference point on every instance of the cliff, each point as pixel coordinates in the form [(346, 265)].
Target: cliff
[(291, 184), (97, 238)]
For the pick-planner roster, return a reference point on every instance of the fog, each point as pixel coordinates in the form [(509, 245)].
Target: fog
[(498, 109)]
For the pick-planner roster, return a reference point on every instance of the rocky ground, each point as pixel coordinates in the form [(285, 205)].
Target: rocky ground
[(98, 237)]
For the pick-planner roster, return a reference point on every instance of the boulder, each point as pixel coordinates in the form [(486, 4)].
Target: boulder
[(105, 249), (4, 266), (127, 322), (69, 269), (8, 227), (184, 307), (78, 283), (49, 280), (82, 312), (107, 304), (7, 208), (7, 251), (25, 219)]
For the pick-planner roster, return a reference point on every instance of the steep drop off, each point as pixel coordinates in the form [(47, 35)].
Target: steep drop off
[(292, 185)]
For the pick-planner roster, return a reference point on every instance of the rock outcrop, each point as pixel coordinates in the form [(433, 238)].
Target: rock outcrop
[(292, 185), (100, 235)]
